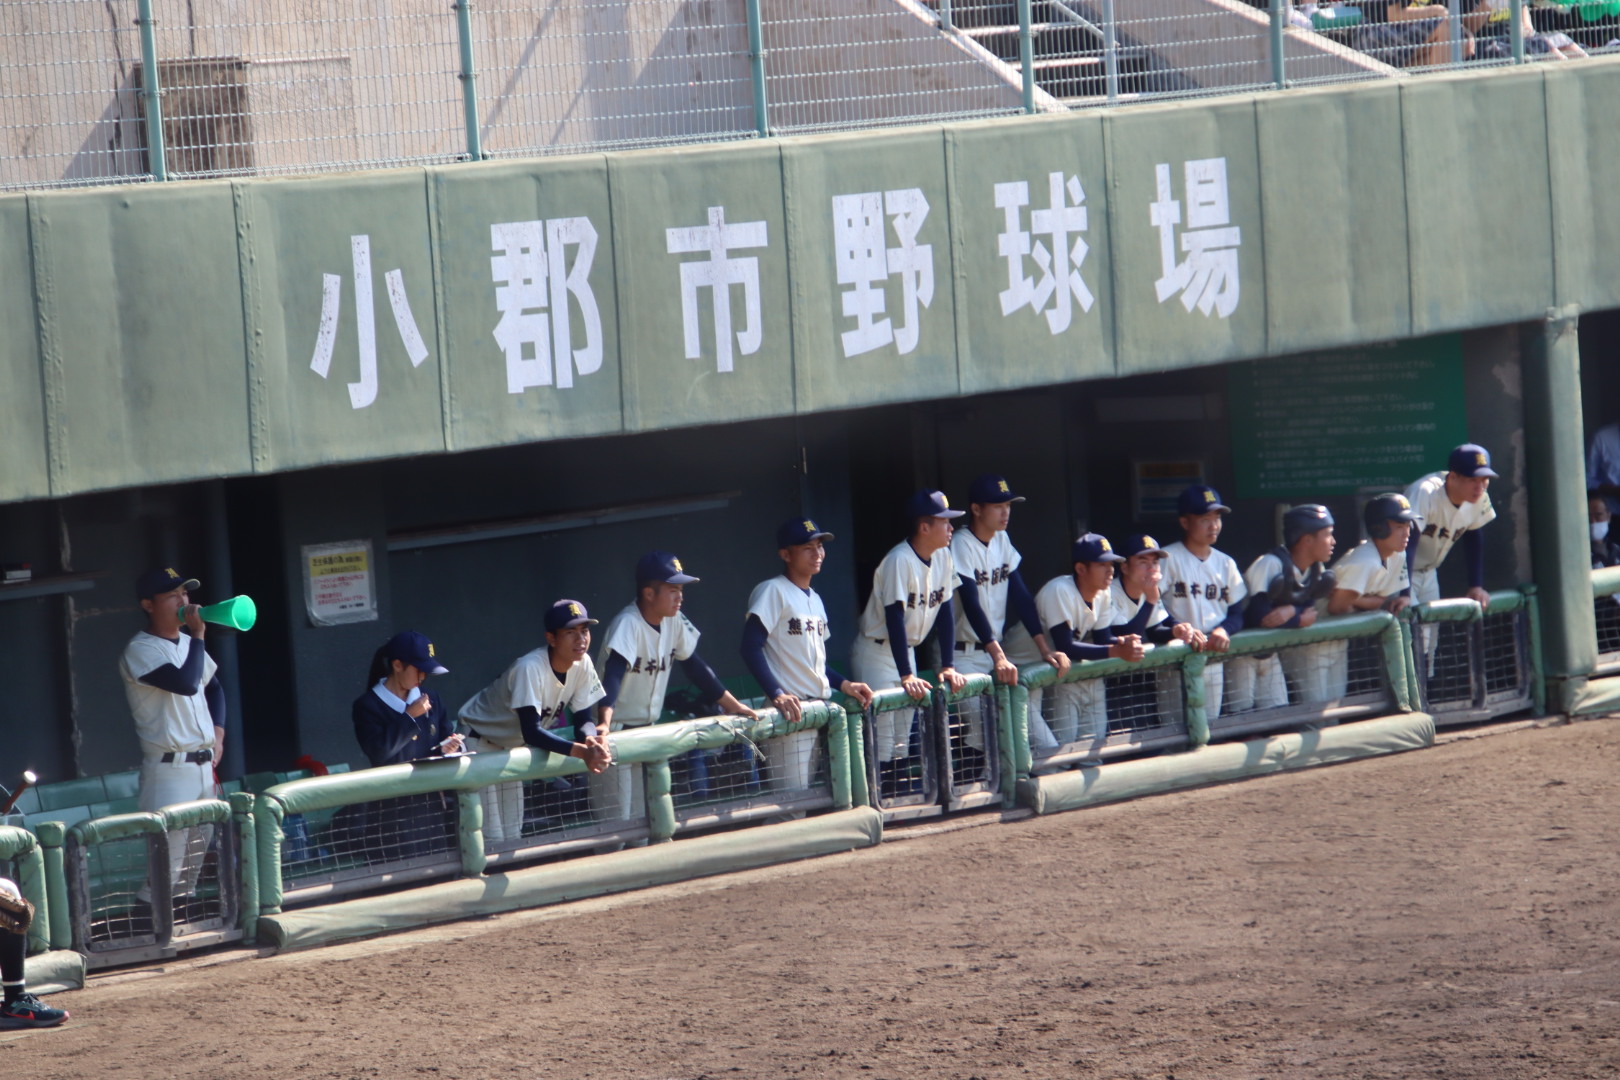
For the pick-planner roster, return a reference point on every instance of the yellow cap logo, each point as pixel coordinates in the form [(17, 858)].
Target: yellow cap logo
[(943, 501), (1479, 459), (1149, 542), (810, 526), (573, 609), (1001, 485), (1400, 500), (1209, 496), (172, 574), (1104, 544), (676, 563), (431, 653)]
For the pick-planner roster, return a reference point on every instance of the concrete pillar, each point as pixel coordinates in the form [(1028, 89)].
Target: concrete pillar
[(1556, 479)]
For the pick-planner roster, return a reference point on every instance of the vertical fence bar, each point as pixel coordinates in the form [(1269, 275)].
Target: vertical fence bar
[(151, 91), (756, 65), (945, 15), (469, 80), (1110, 51), (1026, 54), (1516, 29), (1454, 21), (1279, 21)]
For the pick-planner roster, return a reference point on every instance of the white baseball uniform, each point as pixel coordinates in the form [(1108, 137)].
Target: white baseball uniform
[(492, 713), (1257, 682), (1200, 592), (796, 634), (990, 566), (1442, 525), (922, 587), (1068, 712), (171, 723), (1167, 680)]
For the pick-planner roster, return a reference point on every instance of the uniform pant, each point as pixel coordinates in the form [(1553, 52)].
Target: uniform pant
[(503, 802), (1254, 682), (1319, 672), (1078, 712), (619, 794), (792, 759), (972, 660), (874, 666), (164, 784), (1426, 590)]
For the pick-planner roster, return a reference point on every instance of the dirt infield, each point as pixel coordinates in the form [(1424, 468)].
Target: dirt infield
[(1449, 913)]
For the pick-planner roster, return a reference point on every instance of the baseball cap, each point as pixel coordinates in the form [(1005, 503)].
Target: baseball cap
[(990, 488), (1200, 499), (1094, 547), (1471, 459), (162, 580), (661, 566), (409, 647), (932, 504), (1137, 543), (567, 613), (796, 531), (1303, 520), (1391, 507)]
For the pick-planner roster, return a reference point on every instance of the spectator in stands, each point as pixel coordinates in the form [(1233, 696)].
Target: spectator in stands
[(1406, 35), (1603, 466), (543, 690), (1605, 545)]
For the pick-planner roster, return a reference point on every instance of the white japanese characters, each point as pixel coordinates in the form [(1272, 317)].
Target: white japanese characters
[(1060, 284), (864, 261), (718, 273), (364, 392), (1208, 276), (533, 281)]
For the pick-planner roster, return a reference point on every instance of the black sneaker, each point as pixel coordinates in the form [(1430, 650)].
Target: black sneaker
[(30, 1012)]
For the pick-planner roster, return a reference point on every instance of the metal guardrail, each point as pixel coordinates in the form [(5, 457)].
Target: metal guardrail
[(1606, 619), (1471, 663), (122, 91)]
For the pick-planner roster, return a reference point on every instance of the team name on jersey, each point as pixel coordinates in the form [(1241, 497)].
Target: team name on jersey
[(933, 599), (994, 576), (552, 713), (1208, 592), (814, 627), (653, 665), (1441, 534)]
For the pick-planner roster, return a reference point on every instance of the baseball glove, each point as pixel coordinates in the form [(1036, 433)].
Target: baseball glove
[(16, 913)]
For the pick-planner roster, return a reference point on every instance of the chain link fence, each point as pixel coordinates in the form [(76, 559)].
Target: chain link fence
[(1473, 663)]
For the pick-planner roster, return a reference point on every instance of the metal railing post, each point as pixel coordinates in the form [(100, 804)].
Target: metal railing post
[(945, 15), (1026, 54), (1455, 21), (151, 91), (1110, 51), (1516, 29), (756, 65), (469, 80), (1279, 22)]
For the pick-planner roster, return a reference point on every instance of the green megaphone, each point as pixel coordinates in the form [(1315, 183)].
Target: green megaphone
[(238, 613)]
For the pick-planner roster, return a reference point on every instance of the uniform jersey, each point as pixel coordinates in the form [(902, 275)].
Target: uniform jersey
[(649, 651), (1267, 569), (796, 636), (166, 722), (1442, 523), (990, 566), (1123, 609), (1362, 571), (492, 712), (1059, 602), (920, 586), (1199, 591)]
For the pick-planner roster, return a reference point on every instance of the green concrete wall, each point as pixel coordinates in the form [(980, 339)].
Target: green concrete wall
[(176, 325)]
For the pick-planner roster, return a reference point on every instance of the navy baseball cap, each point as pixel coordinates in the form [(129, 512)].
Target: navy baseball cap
[(1200, 499), (796, 531), (1094, 547), (661, 566), (1304, 519), (409, 647), (1470, 459), (932, 504), (162, 580), (565, 614), (990, 489), (1137, 543), (1391, 507)]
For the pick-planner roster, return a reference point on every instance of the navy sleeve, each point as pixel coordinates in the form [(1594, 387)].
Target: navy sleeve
[(945, 633), (1474, 549), (613, 678), (584, 722), (1234, 619), (372, 730), (1411, 559), (753, 655), (1063, 641), (214, 695), (183, 680), (703, 677), (1023, 604), (894, 617), (969, 592), (444, 721), (1162, 632), (1138, 623), (535, 735), (835, 678)]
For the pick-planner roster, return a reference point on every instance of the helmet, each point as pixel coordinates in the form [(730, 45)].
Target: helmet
[(1303, 520), (1383, 509)]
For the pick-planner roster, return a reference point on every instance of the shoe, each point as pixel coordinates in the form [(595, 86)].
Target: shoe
[(30, 1012)]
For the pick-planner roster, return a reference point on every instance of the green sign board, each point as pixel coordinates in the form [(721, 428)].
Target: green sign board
[(1334, 424)]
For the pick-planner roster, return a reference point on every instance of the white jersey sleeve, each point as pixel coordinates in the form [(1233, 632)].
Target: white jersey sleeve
[(1363, 573), (1441, 523)]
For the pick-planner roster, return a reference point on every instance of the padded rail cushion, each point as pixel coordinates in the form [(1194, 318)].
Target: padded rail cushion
[(636, 868), (1226, 761), (52, 972)]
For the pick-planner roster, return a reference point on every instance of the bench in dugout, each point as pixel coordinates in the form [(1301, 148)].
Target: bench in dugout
[(1475, 663)]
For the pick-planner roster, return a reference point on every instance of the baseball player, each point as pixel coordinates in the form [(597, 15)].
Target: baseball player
[(19, 1008), (1452, 506), (641, 643), (1135, 600), (1073, 607), (911, 599), (537, 695), (1373, 576), (989, 582), (177, 701), (1285, 586), (1203, 587), (784, 645)]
